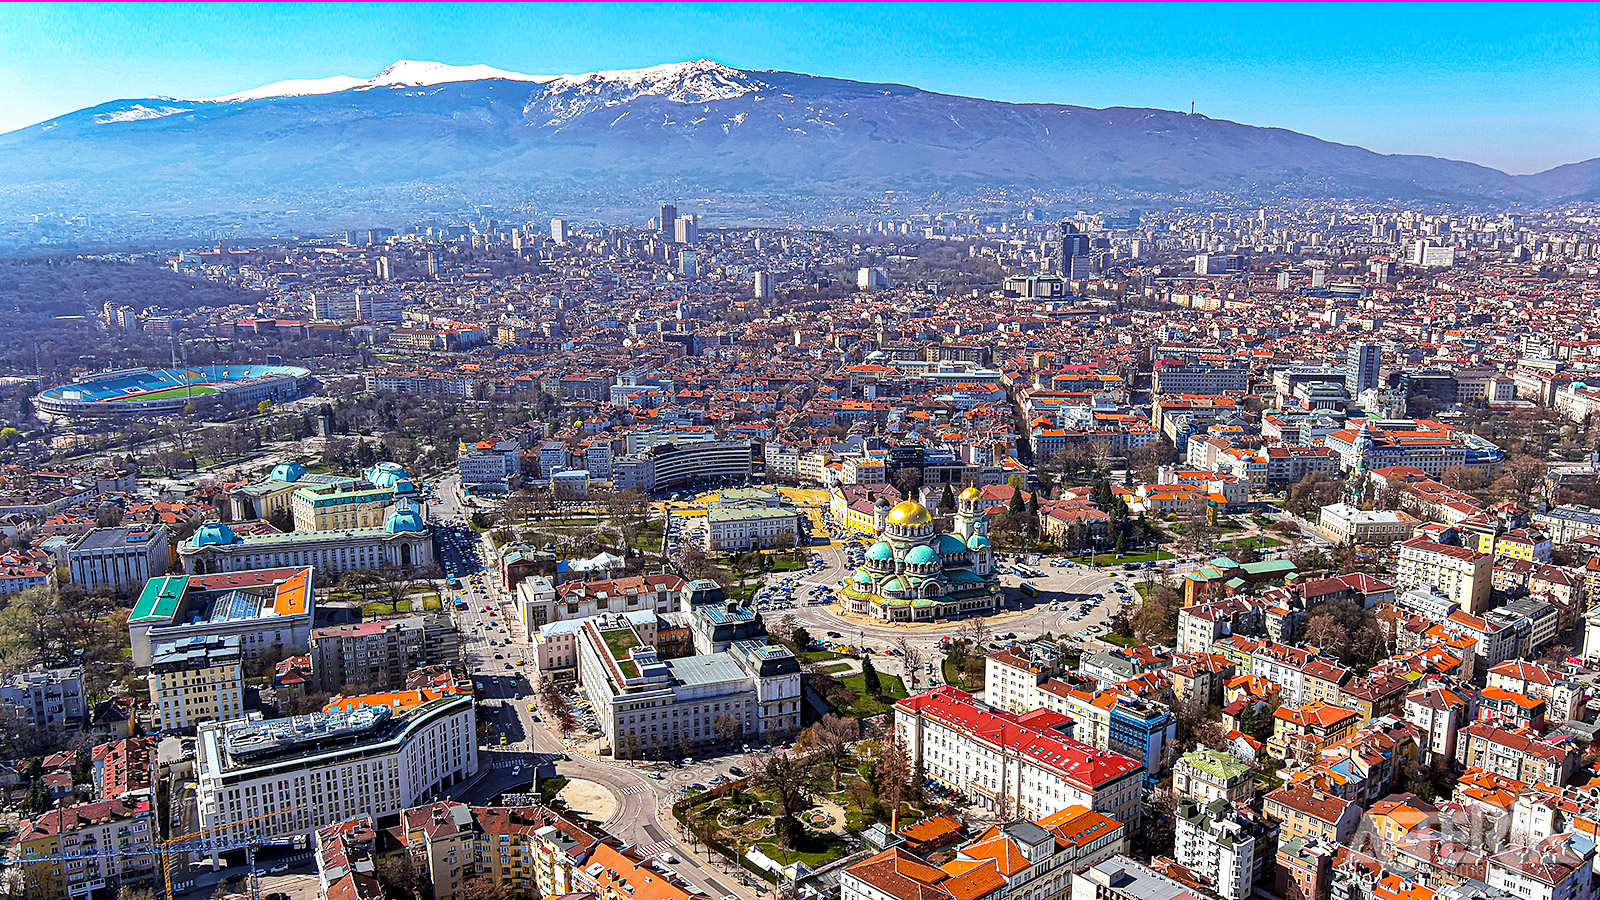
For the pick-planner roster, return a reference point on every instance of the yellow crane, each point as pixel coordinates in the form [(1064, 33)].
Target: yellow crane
[(190, 842)]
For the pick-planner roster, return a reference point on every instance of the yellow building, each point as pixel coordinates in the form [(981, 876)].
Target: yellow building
[(197, 680), (1299, 733), (340, 507), (104, 837)]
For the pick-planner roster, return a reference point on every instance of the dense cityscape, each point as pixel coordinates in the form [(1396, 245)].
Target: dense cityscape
[(489, 538)]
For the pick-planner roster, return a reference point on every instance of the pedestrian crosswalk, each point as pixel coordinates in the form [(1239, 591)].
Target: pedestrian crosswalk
[(657, 847), (633, 789)]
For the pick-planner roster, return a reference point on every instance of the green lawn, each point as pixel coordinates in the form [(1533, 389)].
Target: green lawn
[(816, 849), (1112, 559), (1145, 588), (1112, 637), (168, 394), (956, 677), (818, 655), (836, 668), (865, 706), (619, 642)]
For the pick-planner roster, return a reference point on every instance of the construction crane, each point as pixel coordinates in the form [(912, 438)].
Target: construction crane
[(182, 844)]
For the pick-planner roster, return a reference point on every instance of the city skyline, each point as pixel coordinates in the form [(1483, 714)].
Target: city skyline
[(1471, 84)]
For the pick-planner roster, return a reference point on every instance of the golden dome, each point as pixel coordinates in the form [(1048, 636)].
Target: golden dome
[(970, 493), (910, 513)]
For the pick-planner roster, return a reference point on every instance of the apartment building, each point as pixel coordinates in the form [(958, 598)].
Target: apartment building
[(195, 680), (1560, 867), (1204, 775), (1025, 764), (109, 844), (1462, 575), (1305, 812), (1515, 755), (1227, 844), (377, 656), (45, 698)]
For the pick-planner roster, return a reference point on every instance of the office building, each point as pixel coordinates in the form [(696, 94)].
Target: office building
[(1361, 367), (688, 464), (45, 698), (196, 680), (122, 558), (649, 707), (686, 230), (763, 286), (1122, 877), (269, 610), (558, 231), (306, 771), (689, 264), (871, 278), (667, 221)]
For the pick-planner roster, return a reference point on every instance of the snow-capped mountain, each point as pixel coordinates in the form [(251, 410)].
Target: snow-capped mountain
[(481, 132)]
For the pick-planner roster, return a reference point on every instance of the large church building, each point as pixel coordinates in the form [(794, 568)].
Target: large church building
[(915, 574)]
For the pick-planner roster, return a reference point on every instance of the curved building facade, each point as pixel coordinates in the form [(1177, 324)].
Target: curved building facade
[(915, 573)]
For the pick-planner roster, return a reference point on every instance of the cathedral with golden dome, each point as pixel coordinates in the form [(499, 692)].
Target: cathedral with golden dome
[(913, 574)]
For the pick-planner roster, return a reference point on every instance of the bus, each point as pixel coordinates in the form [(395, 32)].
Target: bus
[(452, 580), (1029, 589)]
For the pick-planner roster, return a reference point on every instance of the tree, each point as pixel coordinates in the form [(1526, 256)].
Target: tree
[(869, 678), (830, 741), (1463, 478), (947, 500), (361, 581), (907, 480), (786, 780), (728, 728), (556, 703), (482, 887), (911, 656), (398, 878), (893, 771), (397, 583)]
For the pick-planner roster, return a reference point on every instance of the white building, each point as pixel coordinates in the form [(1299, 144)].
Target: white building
[(648, 707), (123, 558), (736, 528), (44, 698), (269, 610), (307, 771), (1346, 524), (1007, 763), (1560, 867), (404, 540), (1227, 845), (1463, 575)]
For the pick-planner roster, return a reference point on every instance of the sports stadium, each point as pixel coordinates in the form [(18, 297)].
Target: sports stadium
[(149, 392)]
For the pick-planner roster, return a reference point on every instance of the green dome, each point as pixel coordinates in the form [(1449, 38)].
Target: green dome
[(922, 556), (880, 551), (863, 578), (949, 543), (977, 541)]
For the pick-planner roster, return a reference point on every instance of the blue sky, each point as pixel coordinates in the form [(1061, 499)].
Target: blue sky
[(1512, 86)]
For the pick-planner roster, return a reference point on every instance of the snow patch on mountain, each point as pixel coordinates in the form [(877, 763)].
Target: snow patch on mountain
[(138, 113), (701, 81), (403, 74)]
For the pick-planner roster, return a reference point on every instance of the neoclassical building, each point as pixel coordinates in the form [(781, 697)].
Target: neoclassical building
[(404, 539), (915, 574)]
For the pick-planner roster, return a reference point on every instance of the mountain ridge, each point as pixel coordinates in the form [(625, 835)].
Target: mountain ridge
[(703, 126)]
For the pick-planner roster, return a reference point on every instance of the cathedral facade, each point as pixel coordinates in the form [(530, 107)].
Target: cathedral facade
[(914, 574)]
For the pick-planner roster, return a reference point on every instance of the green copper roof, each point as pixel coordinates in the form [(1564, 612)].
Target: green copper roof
[(1219, 765), (160, 599)]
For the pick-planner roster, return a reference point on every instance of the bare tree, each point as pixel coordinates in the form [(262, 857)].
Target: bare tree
[(830, 741), (788, 781), (893, 769), (728, 728), (911, 655)]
